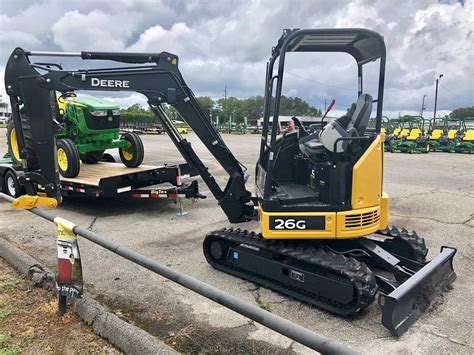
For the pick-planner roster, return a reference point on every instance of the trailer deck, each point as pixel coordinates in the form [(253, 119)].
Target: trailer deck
[(108, 179), (93, 174)]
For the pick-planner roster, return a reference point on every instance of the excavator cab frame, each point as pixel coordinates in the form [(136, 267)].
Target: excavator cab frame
[(363, 45)]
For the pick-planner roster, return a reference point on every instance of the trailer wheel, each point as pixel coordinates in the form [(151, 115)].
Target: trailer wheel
[(12, 140), (132, 155), (68, 158), (92, 157), (12, 185)]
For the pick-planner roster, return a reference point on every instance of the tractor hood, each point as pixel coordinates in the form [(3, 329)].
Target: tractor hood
[(91, 103)]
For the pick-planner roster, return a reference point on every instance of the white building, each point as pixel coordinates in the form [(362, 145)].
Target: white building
[(5, 114)]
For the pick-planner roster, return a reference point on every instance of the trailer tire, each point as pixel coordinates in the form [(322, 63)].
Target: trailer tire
[(12, 185), (92, 157), (13, 149), (132, 155), (68, 158)]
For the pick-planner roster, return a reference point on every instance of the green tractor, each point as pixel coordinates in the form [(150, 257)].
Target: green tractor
[(443, 139), (417, 139), (464, 140), (399, 140), (86, 128)]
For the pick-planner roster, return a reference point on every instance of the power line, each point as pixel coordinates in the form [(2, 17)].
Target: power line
[(318, 82), (449, 90), (341, 88)]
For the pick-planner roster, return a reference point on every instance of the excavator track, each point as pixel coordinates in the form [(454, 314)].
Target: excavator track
[(404, 242), (303, 270)]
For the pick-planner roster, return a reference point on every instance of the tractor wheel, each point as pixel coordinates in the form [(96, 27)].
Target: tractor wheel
[(132, 155), (92, 157), (68, 158), (13, 148), (12, 185)]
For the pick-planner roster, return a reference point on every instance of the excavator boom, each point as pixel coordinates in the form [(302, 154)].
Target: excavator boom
[(33, 87)]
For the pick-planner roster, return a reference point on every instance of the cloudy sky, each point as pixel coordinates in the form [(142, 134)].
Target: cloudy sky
[(227, 43)]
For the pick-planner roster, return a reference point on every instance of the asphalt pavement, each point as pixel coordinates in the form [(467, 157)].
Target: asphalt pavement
[(433, 194)]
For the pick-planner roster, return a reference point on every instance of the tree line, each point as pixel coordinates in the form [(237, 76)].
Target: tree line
[(232, 107)]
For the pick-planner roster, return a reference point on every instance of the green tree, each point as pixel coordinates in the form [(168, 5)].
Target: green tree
[(462, 112), (207, 104)]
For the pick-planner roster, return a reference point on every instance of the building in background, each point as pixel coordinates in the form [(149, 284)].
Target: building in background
[(5, 114)]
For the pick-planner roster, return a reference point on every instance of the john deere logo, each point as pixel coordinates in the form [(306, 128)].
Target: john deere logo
[(110, 83)]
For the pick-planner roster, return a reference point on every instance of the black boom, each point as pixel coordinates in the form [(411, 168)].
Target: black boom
[(33, 87)]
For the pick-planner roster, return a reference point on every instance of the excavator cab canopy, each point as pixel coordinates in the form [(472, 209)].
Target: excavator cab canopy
[(363, 45)]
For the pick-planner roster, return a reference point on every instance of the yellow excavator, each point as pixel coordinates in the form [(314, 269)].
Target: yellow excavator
[(325, 237)]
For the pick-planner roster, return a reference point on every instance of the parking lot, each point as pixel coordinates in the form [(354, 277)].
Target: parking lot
[(432, 193)]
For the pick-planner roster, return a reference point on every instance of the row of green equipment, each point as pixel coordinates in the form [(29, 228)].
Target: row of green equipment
[(86, 127), (415, 134), (231, 127)]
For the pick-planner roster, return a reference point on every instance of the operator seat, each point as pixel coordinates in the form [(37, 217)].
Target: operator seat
[(352, 124)]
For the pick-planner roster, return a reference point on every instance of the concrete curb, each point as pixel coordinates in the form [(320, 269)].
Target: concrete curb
[(125, 336)]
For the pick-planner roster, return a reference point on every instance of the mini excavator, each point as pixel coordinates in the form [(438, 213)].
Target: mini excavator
[(325, 237)]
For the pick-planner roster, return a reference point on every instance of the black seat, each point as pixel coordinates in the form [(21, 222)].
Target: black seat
[(352, 124)]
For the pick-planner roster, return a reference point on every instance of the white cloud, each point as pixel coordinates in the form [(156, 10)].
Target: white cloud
[(95, 30), (227, 43)]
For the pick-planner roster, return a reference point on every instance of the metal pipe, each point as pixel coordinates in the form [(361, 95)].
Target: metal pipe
[(54, 54), (272, 321)]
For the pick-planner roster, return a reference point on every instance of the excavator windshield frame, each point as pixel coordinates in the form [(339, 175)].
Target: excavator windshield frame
[(363, 45)]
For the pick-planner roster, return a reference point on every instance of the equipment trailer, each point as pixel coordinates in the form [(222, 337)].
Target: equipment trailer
[(108, 179), (323, 215)]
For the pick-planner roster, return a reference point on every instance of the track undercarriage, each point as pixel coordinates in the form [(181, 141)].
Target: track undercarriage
[(343, 276)]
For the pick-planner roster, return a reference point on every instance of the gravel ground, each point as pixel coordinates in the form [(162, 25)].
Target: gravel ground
[(433, 194)]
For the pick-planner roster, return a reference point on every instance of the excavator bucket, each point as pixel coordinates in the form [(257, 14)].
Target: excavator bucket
[(403, 306)]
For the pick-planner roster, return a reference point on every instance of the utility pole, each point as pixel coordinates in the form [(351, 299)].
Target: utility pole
[(423, 107), (225, 101), (436, 99)]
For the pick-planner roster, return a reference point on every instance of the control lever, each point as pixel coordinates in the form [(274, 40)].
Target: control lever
[(327, 111)]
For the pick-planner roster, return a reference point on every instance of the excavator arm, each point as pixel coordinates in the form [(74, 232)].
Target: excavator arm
[(32, 87)]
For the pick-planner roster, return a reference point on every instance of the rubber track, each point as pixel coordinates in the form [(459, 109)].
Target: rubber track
[(311, 254), (411, 239)]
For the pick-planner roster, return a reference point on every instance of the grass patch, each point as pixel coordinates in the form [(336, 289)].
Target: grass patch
[(11, 350), (265, 305), (10, 281), (5, 337), (4, 313)]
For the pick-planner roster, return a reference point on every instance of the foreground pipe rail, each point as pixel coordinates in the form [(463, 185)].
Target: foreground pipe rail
[(272, 321)]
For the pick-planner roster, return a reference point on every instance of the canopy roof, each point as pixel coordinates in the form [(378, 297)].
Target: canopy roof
[(364, 45)]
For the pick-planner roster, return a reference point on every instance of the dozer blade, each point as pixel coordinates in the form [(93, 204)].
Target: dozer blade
[(403, 306)]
